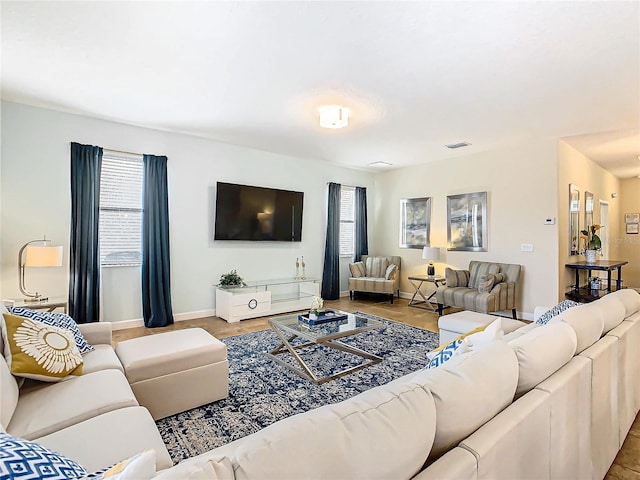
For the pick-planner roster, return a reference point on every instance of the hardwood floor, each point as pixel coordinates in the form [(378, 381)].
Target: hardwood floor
[(625, 467)]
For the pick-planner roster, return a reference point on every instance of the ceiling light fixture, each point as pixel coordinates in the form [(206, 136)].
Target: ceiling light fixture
[(458, 145), (334, 116), (379, 164)]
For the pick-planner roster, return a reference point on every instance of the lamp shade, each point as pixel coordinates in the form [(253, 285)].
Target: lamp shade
[(431, 254), (43, 256)]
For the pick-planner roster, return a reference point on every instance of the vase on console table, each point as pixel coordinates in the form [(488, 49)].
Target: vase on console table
[(590, 256)]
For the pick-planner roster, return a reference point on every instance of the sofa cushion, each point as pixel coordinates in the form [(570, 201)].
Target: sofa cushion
[(478, 269), (376, 266), (456, 278), (541, 352), (9, 393), (24, 459), (588, 323), (102, 357), (477, 375), (629, 297), (141, 466), (108, 431), (613, 311), (210, 470), (400, 416), (391, 272), (557, 310), (40, 351), (357, 269), (61, 320), (70, 402)]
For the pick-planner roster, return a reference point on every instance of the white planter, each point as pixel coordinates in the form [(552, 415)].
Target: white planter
[(590, 256), (313, 316)]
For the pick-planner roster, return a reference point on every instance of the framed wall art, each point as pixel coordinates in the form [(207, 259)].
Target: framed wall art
[(632, 228), (632, 218), (467, 222), (415, 222)]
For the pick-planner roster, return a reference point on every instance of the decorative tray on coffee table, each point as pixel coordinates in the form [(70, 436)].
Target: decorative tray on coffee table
[(323, 317)]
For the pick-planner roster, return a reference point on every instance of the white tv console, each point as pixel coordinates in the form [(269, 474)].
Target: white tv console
[(265, 297)]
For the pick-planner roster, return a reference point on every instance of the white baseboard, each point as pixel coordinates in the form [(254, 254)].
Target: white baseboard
[(178, 317)]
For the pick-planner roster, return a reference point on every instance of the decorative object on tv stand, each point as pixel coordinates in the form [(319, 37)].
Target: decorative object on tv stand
[(304, 274), (43, 255), (297, 269), (316, 306), (231, 279), (593, 244), (432, 254)]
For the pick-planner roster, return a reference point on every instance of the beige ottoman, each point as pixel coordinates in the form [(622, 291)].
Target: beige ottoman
[(456, 324), (174, 371)]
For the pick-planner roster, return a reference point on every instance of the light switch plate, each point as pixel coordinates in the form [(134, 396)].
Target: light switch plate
[(526, 247), (550, 221)]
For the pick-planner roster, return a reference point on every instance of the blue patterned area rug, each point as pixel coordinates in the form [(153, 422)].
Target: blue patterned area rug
[(262, 392)]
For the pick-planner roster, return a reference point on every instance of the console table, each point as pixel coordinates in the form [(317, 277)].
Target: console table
[(265, 297), (585, 293)]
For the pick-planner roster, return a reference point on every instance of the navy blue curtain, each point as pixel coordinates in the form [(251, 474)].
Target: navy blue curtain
[(84, 259), (156, 285), (331, 270), (361, 244)]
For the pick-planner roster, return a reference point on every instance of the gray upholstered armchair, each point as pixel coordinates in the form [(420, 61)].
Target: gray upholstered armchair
[(375, 274), (485, 287)]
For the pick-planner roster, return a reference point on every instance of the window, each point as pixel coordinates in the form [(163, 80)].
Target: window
[(120, 226), (347, 220)]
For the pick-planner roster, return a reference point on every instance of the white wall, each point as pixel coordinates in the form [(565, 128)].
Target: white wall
[(521, 183), (35, 199)]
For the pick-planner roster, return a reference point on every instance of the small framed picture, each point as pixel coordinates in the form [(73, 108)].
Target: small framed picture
[(632, 218), (632, 228)]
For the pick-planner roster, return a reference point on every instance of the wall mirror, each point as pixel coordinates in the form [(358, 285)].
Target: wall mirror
[(588, 209), (574, 220)]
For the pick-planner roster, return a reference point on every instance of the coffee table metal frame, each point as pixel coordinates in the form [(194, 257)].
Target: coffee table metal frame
[(288, 328)]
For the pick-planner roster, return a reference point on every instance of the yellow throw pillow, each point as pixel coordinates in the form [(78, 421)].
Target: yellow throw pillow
[(459, 337), (40, 351)]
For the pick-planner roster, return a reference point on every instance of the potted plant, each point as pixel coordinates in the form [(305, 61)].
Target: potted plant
[(316, 306), (593, 243), (231, 279)]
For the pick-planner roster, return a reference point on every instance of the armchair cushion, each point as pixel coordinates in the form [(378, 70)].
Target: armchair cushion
[(376, 266), (357, 269), (391, 272), (456, 278), (489, 280), (478, 269)]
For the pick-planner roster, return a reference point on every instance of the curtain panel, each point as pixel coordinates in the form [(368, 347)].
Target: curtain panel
[(84, 259), (331, 270), (361, 244), (156, 285)]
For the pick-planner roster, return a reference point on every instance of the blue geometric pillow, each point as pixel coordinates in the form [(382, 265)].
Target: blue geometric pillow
[(444, 354), (557, 310), (60, 320), (24, 460)]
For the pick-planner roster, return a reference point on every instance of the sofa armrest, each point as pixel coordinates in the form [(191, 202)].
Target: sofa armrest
[(96, 333), (503, 296)]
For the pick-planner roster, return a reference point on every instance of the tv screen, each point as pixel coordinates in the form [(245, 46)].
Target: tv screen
[(245, 212)]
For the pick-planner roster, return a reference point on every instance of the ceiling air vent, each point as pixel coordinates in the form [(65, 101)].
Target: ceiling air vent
[(457, 145)]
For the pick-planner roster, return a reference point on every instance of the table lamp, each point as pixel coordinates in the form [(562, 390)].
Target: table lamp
[(43, 255), (433, 255)]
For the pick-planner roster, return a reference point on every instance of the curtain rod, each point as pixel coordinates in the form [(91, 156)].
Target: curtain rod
[(344, 185), (122, 151)]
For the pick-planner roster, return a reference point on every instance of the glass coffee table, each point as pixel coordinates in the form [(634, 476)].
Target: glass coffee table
[(327, 334)]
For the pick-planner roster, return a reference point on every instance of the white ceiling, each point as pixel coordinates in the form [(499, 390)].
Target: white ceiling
[(415, 75)]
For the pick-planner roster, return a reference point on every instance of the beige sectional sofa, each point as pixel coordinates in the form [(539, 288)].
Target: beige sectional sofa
[(94, 419), (550, 401)]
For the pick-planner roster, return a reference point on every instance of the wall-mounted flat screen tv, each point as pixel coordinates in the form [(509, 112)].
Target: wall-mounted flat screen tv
[(244, 212)]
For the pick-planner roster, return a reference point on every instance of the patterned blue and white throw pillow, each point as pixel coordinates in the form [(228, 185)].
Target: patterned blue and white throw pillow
[(445, 354), (61, 320), (557, 310), (25, 460)]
